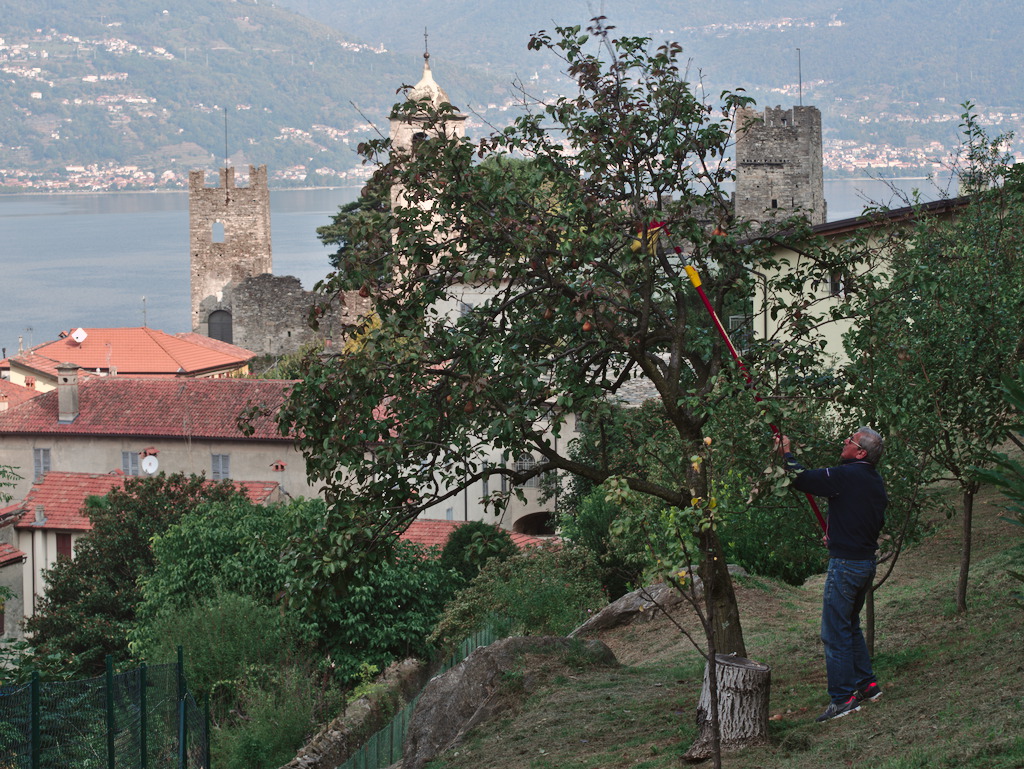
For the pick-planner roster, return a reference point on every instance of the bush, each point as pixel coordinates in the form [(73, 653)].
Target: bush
[(223, 637), (277, 711), (779, 542), (543, 591), (246, 656), (472, 545), (621, 559), (388, 615)]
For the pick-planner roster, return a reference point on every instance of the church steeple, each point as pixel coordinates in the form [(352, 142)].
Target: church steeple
[(404, 128)]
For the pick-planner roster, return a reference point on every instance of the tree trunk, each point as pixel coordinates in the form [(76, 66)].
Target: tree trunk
[(744, 687), (720, 596), (965, 551)]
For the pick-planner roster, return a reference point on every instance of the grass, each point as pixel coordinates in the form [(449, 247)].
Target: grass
[(953, 684)]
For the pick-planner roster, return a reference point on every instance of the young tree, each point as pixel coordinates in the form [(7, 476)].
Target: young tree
[(90, 602), (942, 324), (582, 296)]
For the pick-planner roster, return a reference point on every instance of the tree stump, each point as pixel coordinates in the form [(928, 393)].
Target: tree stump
[(743, 690)]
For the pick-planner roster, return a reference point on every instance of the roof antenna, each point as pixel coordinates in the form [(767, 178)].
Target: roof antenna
[(225, 137), (144, 324)]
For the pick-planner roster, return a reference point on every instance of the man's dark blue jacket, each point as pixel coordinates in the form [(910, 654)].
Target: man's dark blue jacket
[(856, 504)]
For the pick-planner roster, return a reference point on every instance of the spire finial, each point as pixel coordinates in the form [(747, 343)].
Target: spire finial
[(426, 46)]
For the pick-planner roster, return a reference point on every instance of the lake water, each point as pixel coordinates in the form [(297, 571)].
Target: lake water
[(122, 259)]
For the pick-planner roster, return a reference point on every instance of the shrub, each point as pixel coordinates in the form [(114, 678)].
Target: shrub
[(543, 591), (472, 545), (621, 558)]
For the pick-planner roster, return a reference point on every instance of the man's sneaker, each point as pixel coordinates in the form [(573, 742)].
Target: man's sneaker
[(869, 693), (838, 710)]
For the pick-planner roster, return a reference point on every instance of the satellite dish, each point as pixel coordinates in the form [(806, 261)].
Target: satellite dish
[(150, 465), (79, 335)]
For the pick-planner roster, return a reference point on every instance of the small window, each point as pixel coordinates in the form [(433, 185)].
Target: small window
[(220, 469), (524, 463), (449, 513), (486, 481), (64, 545), (129, 463), (217, 232), (41, 462), (775, 203)]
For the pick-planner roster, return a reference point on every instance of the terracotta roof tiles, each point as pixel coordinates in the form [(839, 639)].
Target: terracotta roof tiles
[(60, 497), (432, 532), (156, 408), (10, 554), (13, 394), (137, 352)]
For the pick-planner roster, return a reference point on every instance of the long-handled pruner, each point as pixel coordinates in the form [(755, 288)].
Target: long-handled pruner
[(695, 280)]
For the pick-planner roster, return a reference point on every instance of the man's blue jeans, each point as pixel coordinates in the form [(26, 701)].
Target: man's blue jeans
[(847, 661)]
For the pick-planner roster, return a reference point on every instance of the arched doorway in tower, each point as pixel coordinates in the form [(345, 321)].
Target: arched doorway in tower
[(219, 325)]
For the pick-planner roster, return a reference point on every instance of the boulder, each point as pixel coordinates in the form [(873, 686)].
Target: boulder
[(640, 605), (459, 699)]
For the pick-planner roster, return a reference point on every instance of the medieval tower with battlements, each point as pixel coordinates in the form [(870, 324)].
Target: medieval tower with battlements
[(229, 240), (779, 164)]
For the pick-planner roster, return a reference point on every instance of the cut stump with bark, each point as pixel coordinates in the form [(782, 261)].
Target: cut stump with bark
[(744, 687)]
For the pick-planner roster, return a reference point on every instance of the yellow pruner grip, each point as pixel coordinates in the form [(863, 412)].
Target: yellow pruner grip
[(694, 277)]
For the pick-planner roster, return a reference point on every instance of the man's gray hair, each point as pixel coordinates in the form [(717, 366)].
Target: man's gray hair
[(872, 443)]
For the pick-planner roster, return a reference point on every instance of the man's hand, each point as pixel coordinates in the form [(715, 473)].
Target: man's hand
[(782, 443)]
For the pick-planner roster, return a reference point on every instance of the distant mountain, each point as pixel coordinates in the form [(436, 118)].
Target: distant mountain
[(890, 71), (293, 83), (171, 86)]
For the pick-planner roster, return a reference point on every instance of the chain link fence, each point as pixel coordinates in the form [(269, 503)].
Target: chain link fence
[(140, 719)]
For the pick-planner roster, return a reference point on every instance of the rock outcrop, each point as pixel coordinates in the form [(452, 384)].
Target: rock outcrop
[(471, 692), (333, 744), (640, 605)]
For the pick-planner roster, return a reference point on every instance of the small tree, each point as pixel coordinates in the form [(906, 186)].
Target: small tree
[(90, 602), (942, 324)]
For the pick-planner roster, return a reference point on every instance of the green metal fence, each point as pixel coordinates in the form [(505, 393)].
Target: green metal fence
[(385, 747), (141, 719)]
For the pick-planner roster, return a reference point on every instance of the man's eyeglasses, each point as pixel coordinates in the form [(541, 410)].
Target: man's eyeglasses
[(851, 440)]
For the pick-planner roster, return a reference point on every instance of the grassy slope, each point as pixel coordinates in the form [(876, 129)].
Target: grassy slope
[(952, 684)]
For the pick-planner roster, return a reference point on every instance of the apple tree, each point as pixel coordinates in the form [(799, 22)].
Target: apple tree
[(578, 263)]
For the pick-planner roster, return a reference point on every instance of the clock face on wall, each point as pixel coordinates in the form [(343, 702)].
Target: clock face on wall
[(150, 465)]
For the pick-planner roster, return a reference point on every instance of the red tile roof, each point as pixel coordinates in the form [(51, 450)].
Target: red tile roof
[(156, 408), (136, 352), (10, 554), (431, 532), (62, 497), (13, 394)]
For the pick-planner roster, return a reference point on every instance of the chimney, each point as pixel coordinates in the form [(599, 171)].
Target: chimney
[(67, 392), (40, 514), (4, 402)]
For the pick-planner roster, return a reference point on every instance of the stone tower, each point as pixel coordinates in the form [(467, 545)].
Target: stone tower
[(778, 164), (229, 240)]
